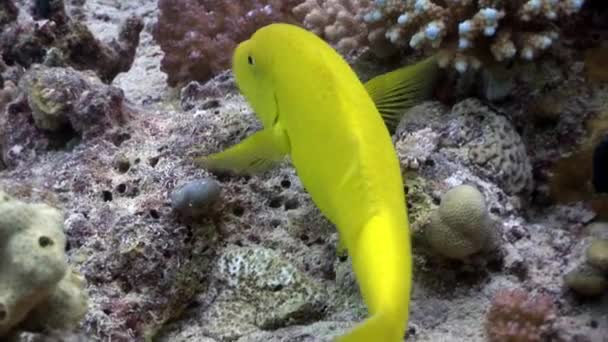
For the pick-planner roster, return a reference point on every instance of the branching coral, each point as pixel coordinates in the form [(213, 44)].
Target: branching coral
[(337, 21), (198, 37), (517, 316), (459, 28)]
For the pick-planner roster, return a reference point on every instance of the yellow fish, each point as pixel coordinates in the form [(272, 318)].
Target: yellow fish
[(316, 110)]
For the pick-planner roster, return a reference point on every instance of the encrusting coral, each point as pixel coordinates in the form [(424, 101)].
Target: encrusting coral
[(39, 291)]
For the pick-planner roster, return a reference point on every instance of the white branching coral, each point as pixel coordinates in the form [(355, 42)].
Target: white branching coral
[(337, 21), (459, 28)]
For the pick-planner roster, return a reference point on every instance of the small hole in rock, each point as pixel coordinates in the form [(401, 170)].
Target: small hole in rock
[(304, 237), (275, 223), (154, 214), (277, 287), (275, 202), (343, 258), (45, 241), (285, 183), (121, 188), (119, 138), (3, 313), (291, 204), (238, 211), (593, 324), (123, 165), (153, 161), (429, 162), (107, 196)]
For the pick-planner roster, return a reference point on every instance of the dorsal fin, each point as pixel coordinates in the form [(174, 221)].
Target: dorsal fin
[(396, 91)]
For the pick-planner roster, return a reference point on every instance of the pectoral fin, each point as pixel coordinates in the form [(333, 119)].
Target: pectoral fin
[(254, 155), (396, 91)]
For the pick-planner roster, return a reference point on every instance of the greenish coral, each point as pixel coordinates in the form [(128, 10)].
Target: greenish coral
[(586, 280), (461, 225), (51, 96), (597, 254), (38, 290), (590, 277)]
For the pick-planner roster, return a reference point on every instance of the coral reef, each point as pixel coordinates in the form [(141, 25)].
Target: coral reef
[(461, 225), (259, 262), (198, 37), (40, 292), (517, 316), (70, 43), (466, 31), (57, 105)]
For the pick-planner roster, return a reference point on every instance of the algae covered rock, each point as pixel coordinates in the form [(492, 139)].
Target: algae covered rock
[(61, 96), (263, 290), (461, 225), (38, 291), (57, 107)]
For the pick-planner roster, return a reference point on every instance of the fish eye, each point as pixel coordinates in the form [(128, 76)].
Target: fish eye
[(250, 59)]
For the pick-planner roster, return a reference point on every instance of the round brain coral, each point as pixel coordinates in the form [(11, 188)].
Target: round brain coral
[(461, 225)]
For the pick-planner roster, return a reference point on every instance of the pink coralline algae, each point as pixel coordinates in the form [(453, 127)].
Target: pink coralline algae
[(516, 316), (198, 36)]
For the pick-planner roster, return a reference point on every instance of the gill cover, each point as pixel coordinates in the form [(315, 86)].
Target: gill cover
[(251, 66)]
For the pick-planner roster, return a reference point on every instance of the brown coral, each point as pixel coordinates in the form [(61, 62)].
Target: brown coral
[(198, 36), (516, 316)]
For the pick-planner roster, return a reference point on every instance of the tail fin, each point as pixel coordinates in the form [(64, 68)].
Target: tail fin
[(378, 328), (382, 263)]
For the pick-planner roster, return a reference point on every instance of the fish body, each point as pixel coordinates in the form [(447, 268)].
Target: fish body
[(316, 110)]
